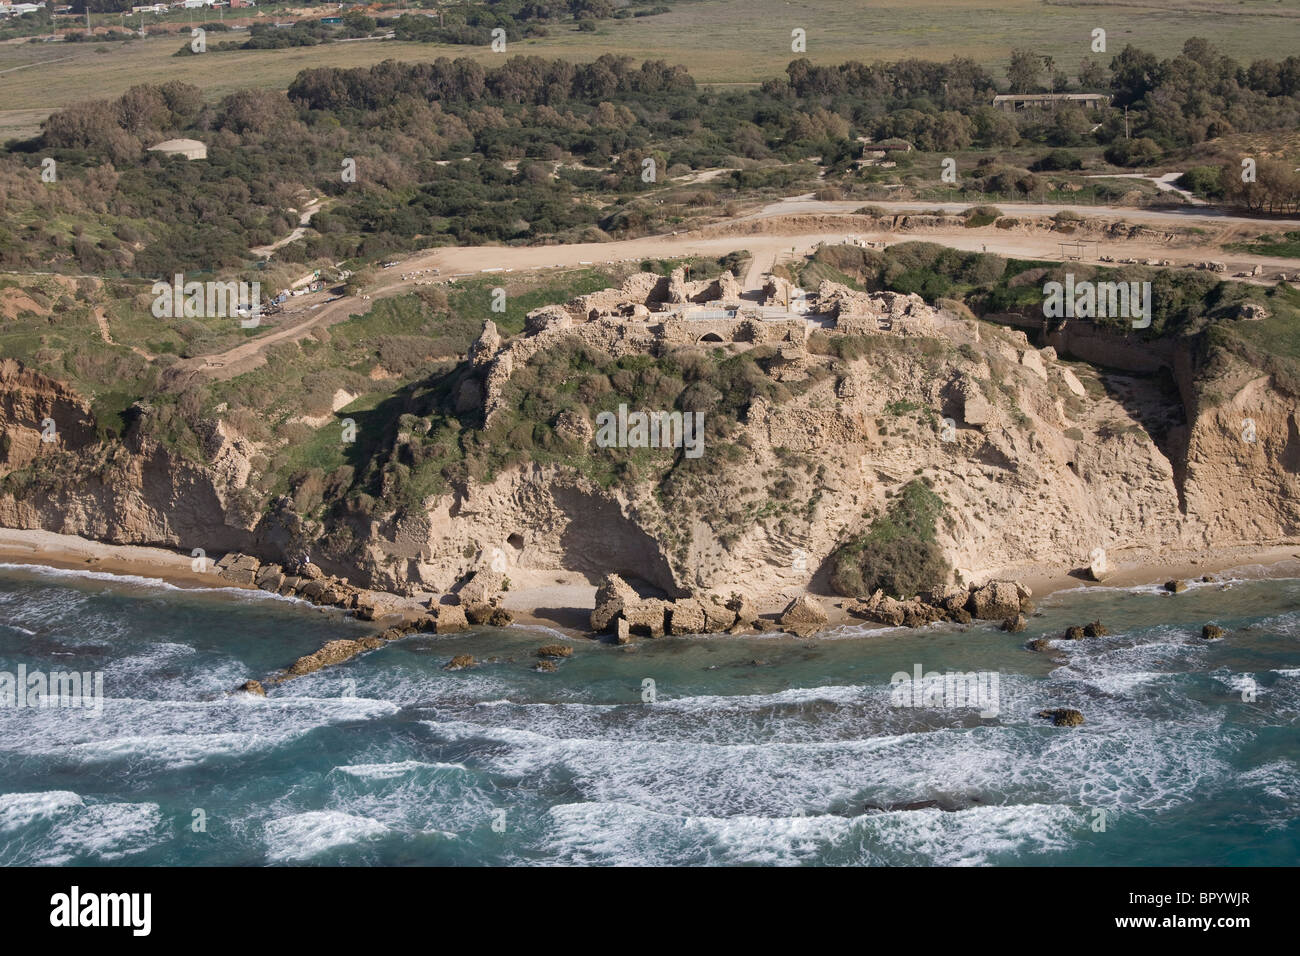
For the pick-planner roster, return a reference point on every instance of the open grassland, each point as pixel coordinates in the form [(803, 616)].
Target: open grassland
[(721, 41)]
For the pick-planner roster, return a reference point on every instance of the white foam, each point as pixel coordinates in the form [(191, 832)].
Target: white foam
[(388, 771), (18, 810), (148, 582), (306, 835), (1095, 764), (103, 832), (593, 833), (1241, 683)]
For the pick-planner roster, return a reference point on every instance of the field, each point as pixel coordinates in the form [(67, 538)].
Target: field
[(724, 42)]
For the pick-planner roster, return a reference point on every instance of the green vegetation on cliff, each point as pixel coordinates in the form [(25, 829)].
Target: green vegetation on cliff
[(897, 553)]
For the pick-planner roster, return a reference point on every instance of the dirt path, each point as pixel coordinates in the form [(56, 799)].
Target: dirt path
[(1188, 216), (102, 321), (304, 220), (764, 236)]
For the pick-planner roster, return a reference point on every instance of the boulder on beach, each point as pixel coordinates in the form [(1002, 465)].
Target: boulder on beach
[(879, 608), (745, 612), (686, 616), (1099, 568), (647, 616), (269, 578), (239, 568), (718, 617), (917, 613), (1175, 587), (482, 586), (803, 616), (612, 595), (449, 619), (951, 598), (995, 601)]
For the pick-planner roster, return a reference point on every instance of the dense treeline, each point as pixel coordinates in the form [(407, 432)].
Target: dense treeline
[(537, 149), (530, 80)]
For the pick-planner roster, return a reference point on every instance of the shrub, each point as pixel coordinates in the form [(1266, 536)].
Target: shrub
[(898, 553)]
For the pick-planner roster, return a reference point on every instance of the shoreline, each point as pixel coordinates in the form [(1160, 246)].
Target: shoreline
[(562, 600)]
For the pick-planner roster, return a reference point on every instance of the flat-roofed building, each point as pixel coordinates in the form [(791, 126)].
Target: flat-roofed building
[(189, 148), (1024, 101)]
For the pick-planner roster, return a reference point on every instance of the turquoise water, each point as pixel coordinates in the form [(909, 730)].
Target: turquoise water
[(754, 751)]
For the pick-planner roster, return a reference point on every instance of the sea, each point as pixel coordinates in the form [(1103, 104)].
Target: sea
[(708, 750)]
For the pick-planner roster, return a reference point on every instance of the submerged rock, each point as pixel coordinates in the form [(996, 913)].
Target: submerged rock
[(1074, 633), (253, 687), (1015, 624), (1062, 716), (555, 650), (460, 662), (335, 652), (1095, 629), (1212, 632)]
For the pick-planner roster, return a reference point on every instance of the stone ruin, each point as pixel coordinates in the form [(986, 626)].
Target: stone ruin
[(649, 312)]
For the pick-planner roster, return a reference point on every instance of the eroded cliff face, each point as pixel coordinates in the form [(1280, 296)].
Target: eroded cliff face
[(38, 415), (1040, 462), (65, 479), (1243, 460)]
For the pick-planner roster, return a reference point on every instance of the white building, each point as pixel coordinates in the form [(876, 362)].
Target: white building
[(189, 148)]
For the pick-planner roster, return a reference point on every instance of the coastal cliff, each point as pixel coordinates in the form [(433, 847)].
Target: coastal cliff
[(812, 431)]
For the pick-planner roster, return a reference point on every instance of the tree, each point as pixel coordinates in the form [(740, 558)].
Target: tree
[(1022, 73), (1135, 73), (1092, 76)]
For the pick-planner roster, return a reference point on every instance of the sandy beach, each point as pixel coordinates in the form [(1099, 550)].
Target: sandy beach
[(564, 599)]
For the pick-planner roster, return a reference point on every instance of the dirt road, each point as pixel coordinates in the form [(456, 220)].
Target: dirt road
[(765, 246)]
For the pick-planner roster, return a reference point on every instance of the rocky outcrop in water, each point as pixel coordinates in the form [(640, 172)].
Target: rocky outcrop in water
[(1062, 716)]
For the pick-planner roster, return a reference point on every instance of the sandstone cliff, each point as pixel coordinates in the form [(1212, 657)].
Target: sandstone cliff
[(1040, 462)]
